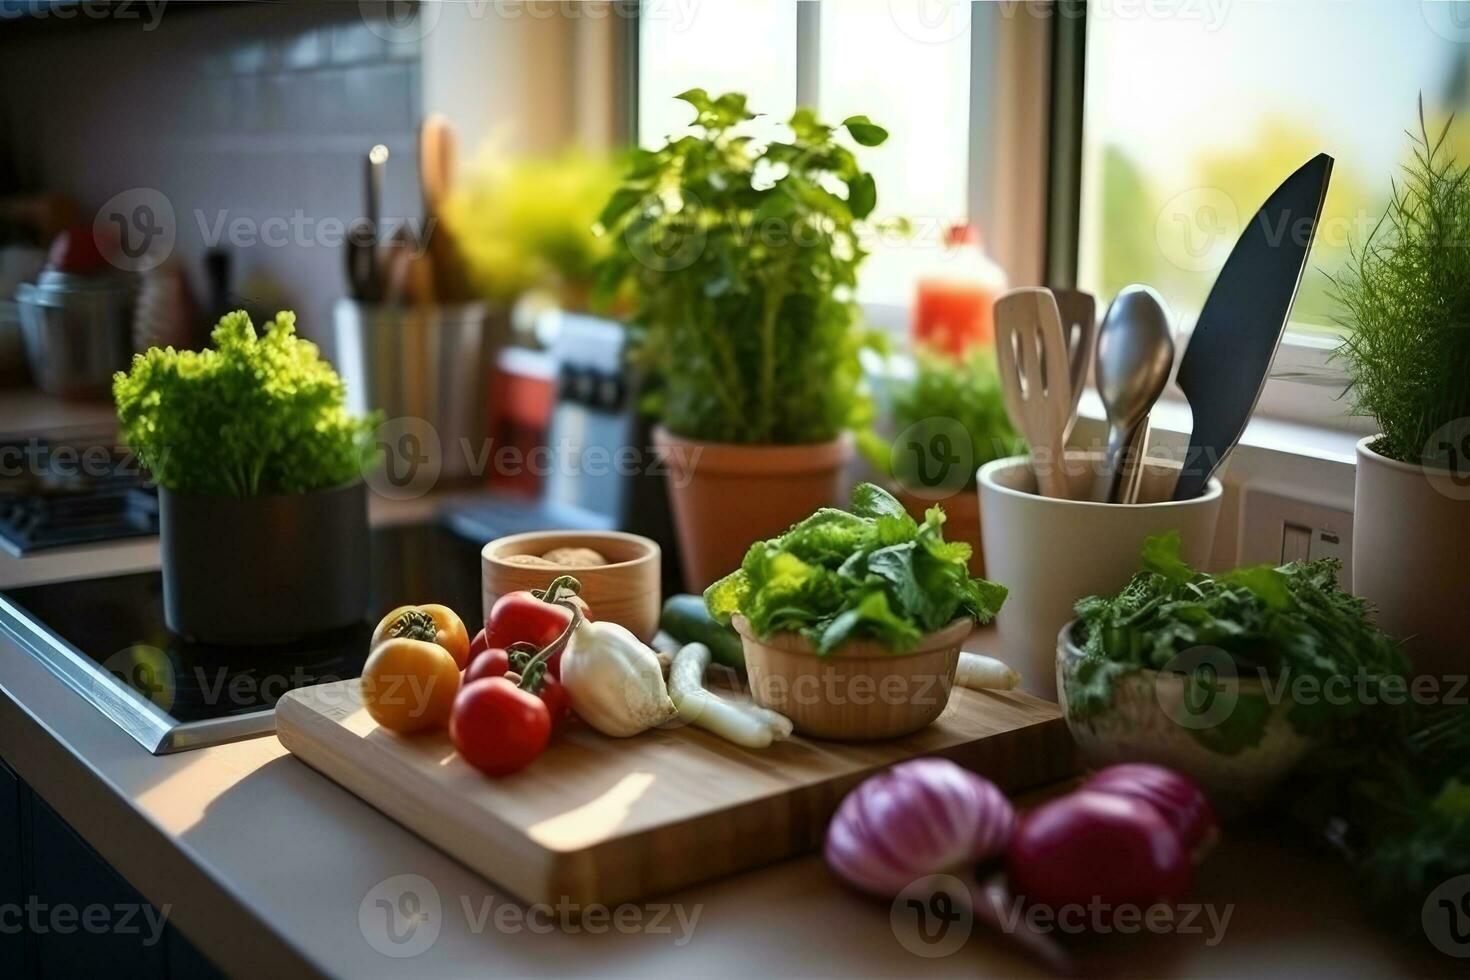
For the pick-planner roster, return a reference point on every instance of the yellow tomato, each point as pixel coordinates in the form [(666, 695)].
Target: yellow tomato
[(409, 685), (431, 622)]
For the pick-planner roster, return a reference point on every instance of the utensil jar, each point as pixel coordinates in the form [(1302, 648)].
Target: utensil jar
[(1052, 552), (422, 362)]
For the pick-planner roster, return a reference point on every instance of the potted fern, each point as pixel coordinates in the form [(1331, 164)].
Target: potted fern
[(259, 466), (739, 259), (1405, 302)]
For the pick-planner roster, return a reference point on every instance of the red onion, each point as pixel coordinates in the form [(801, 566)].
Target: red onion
[(1098, 847), (916, 819), (1178, 800)]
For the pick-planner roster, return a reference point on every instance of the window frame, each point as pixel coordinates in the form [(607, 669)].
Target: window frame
[(1305, 385)]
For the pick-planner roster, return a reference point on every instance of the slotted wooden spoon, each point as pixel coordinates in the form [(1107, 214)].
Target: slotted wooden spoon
[(1035, 377), (1079, 327)]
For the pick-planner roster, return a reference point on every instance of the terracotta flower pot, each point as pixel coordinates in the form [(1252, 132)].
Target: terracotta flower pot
[(1411, 556), (858, 692), (962, 520), (727, 496)]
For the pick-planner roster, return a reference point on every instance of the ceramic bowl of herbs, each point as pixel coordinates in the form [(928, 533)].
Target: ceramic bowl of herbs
[(1231, 679), (852, 621)]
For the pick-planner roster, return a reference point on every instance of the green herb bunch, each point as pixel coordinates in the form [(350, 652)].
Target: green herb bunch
[(1405, 301), (965, 389), (873, 572), (253, 415), (1392, 790), (741, 259), (1289, 622)]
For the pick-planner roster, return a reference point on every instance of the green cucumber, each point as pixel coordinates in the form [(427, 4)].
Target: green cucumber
[(686, 619)]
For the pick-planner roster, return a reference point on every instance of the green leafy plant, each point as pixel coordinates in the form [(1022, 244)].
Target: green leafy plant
[(1405, 302), (528, 223), (1292, 622), (870, 572), (1392, 791), (943, 387), (741, 258), (253, 415)]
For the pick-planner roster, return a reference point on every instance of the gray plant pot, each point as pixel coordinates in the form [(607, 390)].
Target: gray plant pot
[(267, 569)]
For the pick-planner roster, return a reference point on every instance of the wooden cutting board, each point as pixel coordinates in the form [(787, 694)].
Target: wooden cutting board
[(596, 820)]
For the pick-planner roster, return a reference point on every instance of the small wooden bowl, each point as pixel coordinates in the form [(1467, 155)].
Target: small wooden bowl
[(625, 591), (861, 691)]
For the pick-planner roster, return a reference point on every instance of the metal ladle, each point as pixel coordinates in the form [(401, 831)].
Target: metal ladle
[(1135, 353)]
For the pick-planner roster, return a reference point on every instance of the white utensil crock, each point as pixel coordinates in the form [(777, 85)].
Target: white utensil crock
[(1051, 552)]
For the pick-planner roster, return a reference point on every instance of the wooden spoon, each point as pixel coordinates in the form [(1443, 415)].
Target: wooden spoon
[(1079, 326), (437, 150), (1035, 375)]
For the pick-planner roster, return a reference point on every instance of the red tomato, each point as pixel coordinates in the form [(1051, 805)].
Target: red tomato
[(555, 697), (490, 663), (497, 727), (520, 617), (478, 645)]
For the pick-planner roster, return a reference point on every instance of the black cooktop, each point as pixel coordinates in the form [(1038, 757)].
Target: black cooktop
[(106, 637), (59, 492)]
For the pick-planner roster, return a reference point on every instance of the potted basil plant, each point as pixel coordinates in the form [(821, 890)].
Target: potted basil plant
[(739, 259), (1405, 302), (259, 466)]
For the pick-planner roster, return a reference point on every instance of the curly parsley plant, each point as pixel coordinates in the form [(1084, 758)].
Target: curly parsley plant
[(257, 414)]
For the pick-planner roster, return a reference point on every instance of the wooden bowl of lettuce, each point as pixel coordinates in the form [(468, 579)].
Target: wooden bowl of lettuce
[(852, 620), (1231, 679)]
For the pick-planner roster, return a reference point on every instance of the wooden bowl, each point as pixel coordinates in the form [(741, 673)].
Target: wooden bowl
[(625, 591), (859, 692)]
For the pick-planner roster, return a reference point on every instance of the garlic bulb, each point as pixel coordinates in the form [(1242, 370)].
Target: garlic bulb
[(613, 681)]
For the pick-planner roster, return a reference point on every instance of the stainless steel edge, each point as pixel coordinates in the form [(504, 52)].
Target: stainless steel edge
[(151, 727)]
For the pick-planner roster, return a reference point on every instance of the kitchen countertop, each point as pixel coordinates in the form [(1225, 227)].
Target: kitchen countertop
[(265, 866)]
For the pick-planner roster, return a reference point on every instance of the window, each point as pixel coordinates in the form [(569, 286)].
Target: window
[(1191, 118), (911, 76), (904, 63), (747, 47)]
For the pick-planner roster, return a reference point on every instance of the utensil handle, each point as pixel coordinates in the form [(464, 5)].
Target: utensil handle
[(1119, 439), (1133, 458)]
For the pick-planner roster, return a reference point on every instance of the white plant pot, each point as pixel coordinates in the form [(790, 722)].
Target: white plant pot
[(1411, 557), (1051, 552)]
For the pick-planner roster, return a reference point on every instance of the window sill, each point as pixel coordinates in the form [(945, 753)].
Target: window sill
[(1171, 421)]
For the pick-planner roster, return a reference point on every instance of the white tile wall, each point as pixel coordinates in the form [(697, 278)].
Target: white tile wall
[(255, 111)]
